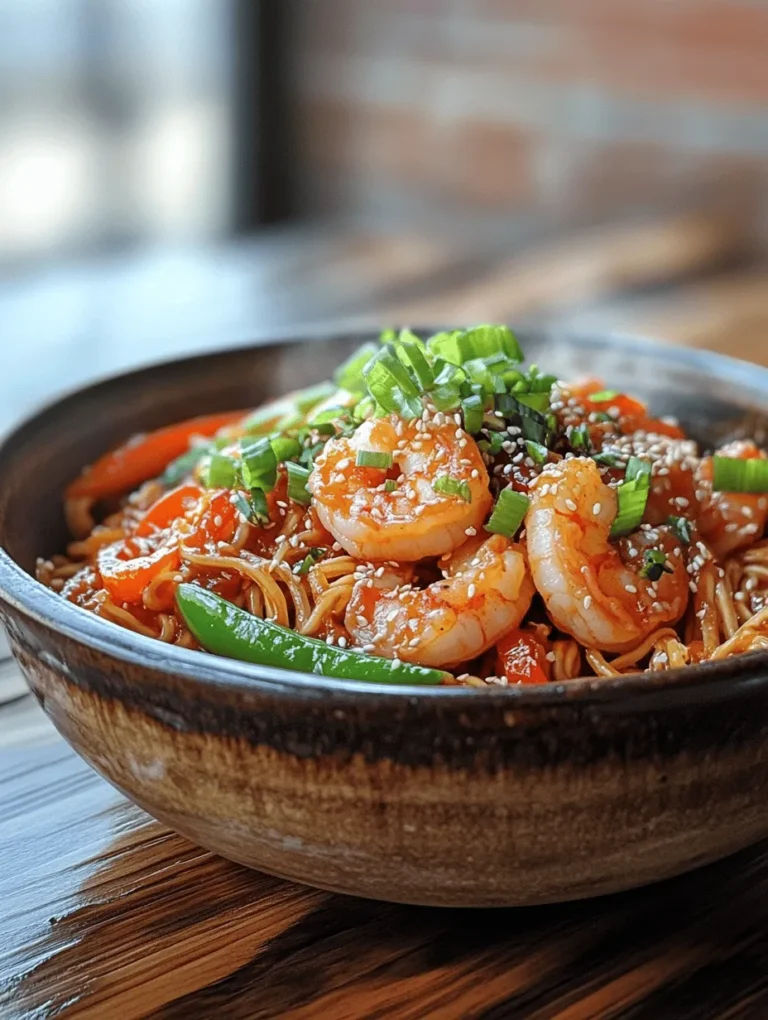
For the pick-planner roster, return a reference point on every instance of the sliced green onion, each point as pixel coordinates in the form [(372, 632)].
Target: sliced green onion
[(603, 395), (390, 383), (536, 401), (537, 452), (313, 395), (508, 513), (608, 459), (297, 483), (259, 464), (220, 472), (452, 487), (314, 556), (254, 507), (412, 357), (285, 448), (533, 424), (374, 459), (637, 468), (472, 410), (682, 527), (290, 421), (580, 439), (537, 382), (184, 465), (478, 342), (734, 475), (308, 454), (363, 409), (390, 485), (632, 495), (601, 416), (388, 335), (493, 444), (259, 504), (349, 375), (654, 564)]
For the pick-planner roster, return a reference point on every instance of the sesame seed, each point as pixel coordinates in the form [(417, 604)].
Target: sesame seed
[(379, 572), (571, 505), (631, 589), (343, 464), (470, 531), (550, 656), (587, 601), (396, 663), (471, 590), (596, 509)]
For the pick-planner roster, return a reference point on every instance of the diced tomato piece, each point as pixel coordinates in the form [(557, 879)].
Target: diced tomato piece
[(522, 659)]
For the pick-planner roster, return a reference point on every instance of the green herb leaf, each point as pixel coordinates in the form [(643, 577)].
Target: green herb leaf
[(734, 475), (451, 487), (508, 513), (374, 459)]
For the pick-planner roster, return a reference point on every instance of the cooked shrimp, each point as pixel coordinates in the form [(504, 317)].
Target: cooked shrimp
[(593, 589), (730, 520), (412, 521), (448, 622)]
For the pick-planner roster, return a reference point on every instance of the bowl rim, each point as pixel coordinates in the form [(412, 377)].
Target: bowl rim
[(31, 599)]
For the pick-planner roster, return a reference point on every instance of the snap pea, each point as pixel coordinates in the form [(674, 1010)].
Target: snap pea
[(225, 629)]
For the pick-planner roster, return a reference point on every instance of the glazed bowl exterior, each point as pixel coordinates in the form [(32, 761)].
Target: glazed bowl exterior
[(443, 796)]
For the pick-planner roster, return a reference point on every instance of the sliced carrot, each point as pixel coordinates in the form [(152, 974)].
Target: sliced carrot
[(217, 521), (125, 578), (521, 658), (144, 457), (171, 506)]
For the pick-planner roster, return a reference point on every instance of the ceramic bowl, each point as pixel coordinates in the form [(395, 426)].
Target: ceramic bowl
[(428, 796)]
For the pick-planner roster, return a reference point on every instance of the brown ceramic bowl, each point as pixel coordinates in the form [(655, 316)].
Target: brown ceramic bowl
[(433, 796)]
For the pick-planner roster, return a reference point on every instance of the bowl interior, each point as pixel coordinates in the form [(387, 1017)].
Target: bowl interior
[(715, 399)]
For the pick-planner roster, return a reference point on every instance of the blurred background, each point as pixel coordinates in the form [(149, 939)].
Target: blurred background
[(180, 174)]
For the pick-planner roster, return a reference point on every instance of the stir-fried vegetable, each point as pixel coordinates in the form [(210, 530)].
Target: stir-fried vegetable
[(224, 629)]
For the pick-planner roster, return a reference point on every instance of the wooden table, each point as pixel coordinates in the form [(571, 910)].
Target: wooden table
[(104, 913)]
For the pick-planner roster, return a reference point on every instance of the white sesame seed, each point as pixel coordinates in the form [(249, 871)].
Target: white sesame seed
[(471, 590), (571, 505), (550, 656), (631, 589), (470, 531), (596, 509), (587, 601)]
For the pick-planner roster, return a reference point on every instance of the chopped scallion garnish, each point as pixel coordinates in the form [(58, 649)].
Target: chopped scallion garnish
[(655, 564), (472, 410), (285, 448), (452, 487), (508, 513), (580, 439), (349, 375), (537, 452), (682, 527), (390, 485), (374, 459), (312, 395), (390, 383), (220, 472), (314, 556), (632, 496), (602, 396), (734, 475), (297, 484), (258, 464)]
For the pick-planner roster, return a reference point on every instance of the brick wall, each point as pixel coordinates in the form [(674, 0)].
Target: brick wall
[(567, 111)]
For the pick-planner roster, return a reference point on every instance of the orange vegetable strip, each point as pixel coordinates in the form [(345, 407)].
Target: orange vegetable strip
[(168, 508), (145, 456), (126, 579)]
